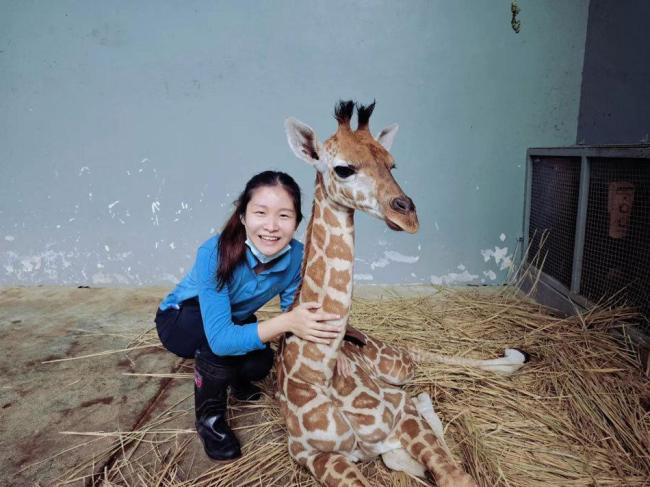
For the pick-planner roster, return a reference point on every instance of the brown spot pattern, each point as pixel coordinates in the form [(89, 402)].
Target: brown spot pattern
[(359, 197), (340, 466), (347, 444), (318, 234), (426, 457), (339, 280), (317, 270), (312, 352), (430, 439), (291, 351), (308, 294), (333, 306), (377, 435), (309, 375), (293, 425), (417, 448), (319, 464), (411, 427), (386, 365), (387, 417), (295, 448), (316, 419), (394, 398), (316, 213), (330, 218), (365, 400), (368, 382), (347, 194), (360, 419), (390, 352), (371, 350), (340, 423), (345, 385), (338, 248), (299, 393), (322, 445), (438, 450)]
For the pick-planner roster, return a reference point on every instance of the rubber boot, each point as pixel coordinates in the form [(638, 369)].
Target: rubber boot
[(251, 367), (210, 402), (245, 390)]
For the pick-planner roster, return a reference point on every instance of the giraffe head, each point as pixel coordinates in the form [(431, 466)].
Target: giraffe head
[(355, 167)]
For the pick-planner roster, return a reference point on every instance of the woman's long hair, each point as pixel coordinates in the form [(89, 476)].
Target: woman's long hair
[(231, 247)]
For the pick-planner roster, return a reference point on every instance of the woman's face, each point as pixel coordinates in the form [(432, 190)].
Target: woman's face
[(270, 219)]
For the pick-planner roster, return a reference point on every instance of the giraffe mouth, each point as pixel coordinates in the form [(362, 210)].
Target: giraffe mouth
[(403, 223), (393, 226)]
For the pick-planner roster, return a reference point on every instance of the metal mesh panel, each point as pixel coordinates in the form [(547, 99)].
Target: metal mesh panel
[(554, 205), (617, 233)]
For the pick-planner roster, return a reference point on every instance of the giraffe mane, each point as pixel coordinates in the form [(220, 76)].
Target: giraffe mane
[(306, 246)]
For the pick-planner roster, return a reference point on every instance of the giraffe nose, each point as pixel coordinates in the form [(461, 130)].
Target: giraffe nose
[(402, 204)]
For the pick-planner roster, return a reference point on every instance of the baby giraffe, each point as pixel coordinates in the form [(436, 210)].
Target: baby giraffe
[(335, 420)]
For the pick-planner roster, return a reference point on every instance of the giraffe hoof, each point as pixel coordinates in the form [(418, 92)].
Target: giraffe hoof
[(515, 353)]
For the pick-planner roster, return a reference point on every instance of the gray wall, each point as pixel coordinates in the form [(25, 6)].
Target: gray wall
[(128, 128), (615, 102)]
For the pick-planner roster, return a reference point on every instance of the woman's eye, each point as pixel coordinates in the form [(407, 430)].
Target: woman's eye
[(259, 212), (344, 171)]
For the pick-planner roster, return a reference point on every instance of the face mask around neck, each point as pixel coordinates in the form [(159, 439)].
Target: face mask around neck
[(265, 259)]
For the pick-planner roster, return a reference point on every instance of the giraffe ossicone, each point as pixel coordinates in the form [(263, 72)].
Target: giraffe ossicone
[(333, 420)]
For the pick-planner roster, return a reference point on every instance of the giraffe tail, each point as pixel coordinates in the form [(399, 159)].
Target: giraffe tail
[(512, 360)]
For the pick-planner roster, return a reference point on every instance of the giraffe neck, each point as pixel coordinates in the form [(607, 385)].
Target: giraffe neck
[(327, 268)]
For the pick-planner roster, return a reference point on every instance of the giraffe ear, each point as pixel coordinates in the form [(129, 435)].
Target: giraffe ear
[(387, 136), (304, 143)]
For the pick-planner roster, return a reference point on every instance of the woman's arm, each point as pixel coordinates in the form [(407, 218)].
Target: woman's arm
[(304, 321)]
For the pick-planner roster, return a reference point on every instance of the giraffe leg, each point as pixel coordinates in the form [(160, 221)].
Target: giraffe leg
[(335, 470), (401, 461), (425, 407), (421, 442), (393, 365), (512, 360)]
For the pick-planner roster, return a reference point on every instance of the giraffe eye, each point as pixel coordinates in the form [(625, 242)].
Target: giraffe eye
[(344, 171)]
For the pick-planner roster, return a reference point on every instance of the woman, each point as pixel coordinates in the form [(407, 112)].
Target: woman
[(210, 314)]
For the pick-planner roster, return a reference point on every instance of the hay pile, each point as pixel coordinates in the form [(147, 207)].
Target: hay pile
[(577, 415)]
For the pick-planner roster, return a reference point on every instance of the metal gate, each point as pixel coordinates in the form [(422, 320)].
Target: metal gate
[(590, 207)]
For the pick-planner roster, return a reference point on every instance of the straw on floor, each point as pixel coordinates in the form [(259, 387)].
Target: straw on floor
[(576, 415)]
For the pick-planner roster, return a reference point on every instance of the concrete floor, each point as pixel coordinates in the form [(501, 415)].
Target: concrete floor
[(40, 400)]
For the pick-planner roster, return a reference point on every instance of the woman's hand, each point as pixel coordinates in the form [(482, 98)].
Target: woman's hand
[(343, 365), (305, 321)]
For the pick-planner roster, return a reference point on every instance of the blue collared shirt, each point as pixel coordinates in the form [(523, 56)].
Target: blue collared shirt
[(243, 296)]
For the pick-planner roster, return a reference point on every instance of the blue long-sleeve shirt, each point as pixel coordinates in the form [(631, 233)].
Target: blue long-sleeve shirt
[(243, 296)]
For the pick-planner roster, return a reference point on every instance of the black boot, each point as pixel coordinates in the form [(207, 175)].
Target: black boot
[(210, 401), (245, 390), (252, 366)]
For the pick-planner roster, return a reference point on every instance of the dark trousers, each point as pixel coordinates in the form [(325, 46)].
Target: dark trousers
[(181, 332)]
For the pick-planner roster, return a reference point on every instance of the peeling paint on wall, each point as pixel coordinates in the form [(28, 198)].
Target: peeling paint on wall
[(453, 278), (393, 256), (491, 275), (363, 277), (500, 256), (397, 257)]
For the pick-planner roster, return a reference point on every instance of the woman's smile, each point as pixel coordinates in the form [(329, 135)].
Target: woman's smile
[(270, 219)]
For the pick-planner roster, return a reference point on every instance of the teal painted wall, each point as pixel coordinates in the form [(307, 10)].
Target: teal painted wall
[(128, 128)]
